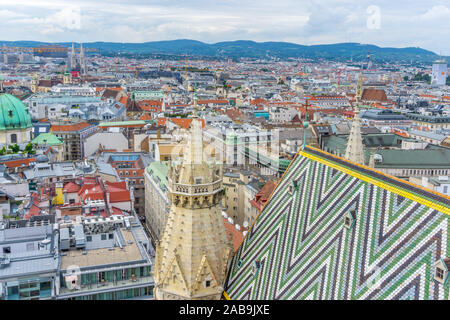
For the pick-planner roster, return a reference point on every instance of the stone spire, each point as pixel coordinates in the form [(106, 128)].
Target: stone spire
[(193, 254), (72, 58), (355, 149), (359, 88), (82, 60)]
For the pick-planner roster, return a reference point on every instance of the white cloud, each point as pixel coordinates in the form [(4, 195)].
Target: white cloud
[(436, 12), (404, 22)]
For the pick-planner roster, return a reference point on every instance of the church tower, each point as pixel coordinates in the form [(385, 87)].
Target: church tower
[(82, 61), (72, 59), (67, 78), (194, 252), (34, 83), (355, 150)]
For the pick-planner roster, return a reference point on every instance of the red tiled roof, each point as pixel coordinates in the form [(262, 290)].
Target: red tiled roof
[(34, 211), (263, 195), (185, 122), (71, 187), (118, 191), (150, 103), (116, 211), (124, 100), (161, 122), (19, 163), (233, 234), (370, 94), (145, 116), (91, 191), (258, 101), (213, 101), (70, 127)]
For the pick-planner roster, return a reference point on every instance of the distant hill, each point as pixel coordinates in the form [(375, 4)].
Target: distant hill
[(251, 49)]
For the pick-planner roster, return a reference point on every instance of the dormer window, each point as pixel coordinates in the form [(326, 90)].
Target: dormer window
[(208, 283), (441, 270), (256, 267), (293, 187), (350, 218), (10, 113), (239, 264)]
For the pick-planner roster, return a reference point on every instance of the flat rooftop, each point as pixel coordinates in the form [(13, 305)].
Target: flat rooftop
[(104, 256)]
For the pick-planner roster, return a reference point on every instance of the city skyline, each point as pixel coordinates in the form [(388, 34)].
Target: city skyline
[(303, 22)]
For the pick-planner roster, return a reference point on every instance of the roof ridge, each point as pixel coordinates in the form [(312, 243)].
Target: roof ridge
[(407, 185)]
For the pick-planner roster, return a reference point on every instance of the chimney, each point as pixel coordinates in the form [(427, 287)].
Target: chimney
[(108, 197)]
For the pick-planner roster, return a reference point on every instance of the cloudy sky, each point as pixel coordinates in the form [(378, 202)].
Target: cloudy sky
[(398, 23)]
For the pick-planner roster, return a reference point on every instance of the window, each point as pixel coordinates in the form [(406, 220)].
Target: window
[(14, 138), (256, 266), (103, 236), (88, 238), (111, 236), (207, 283), (348, 221), (13, 290), (440, 273), (6, 249)]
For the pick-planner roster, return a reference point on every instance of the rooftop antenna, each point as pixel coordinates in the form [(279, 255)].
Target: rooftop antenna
[(305, 124), (185, 68)]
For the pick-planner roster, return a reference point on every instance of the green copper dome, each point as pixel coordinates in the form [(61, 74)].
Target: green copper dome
[(13, 113)]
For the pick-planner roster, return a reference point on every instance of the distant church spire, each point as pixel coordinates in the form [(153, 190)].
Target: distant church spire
[(355, 149), (72, 58), (82, 60)]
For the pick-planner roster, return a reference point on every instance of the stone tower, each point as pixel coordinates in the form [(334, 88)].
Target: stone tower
[(34, 83), (67, 78), (194, 252), (82, 61), (72, 58), (355, 150)]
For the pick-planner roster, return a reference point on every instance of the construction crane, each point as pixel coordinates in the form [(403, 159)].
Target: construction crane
[(137, 70), (7, 49), (185, 68)]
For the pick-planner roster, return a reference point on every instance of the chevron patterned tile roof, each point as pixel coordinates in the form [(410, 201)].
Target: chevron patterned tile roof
[(300, 247)]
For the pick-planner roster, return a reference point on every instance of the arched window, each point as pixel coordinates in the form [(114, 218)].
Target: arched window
[(13, 138)]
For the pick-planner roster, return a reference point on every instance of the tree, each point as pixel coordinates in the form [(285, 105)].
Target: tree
[(3, 151), (422, 77), (29, 149), (14, 148)]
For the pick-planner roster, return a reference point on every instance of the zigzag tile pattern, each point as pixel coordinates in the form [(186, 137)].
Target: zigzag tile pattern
[(306, 252)]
